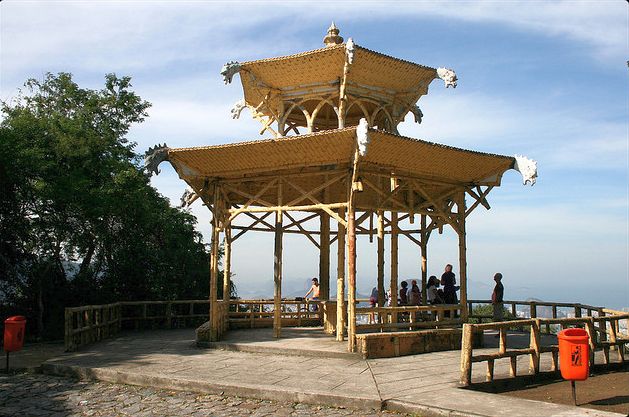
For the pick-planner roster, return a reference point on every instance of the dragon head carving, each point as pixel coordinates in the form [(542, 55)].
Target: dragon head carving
[(155, 156), (229, 70)]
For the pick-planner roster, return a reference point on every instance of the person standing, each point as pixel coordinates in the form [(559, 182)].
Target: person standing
[(448, 280), (314, 290), (497, 297), (414, 294), (403, 294)]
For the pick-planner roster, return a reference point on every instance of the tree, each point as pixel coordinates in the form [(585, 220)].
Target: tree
[(79, 221)]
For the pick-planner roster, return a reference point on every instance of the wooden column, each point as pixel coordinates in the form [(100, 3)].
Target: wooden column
[(277, 267), (324, 257), (340, 280), (214, 268), (462, 255), (351, 266), (394, 262), (380, 283), (351, 251), (423, 245), (227, 254)]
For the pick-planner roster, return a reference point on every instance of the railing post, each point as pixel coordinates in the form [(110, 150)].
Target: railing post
[(169, 315), (68, 330), (466, 354), (533, 308), (577, 310), (535, 345), (589, 328)]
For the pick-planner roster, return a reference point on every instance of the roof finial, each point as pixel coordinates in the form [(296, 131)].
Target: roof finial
[(332, 38)]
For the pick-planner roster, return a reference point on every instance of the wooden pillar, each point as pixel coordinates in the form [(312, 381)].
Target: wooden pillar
[(380, 283), (340, 280), (227, 254), (423, 245), (394, 262), (277, 267), (351, 266), (324, 257), (214, 268), (462, 255)]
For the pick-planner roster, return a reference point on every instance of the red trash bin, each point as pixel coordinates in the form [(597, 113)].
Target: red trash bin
[(14, 328), (574, 354)]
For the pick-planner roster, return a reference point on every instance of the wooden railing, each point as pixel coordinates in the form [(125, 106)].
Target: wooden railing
[(89, 324), (603, 334), (536, 309), (260, 313), (408, 317)]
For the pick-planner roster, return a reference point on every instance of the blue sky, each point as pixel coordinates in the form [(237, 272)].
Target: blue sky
[(543, 79)]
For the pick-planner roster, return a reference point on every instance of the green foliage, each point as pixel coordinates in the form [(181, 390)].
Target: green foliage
[(485, 312), (79, 221)]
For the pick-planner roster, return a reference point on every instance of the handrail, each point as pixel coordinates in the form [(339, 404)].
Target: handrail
[(598, 336), (92, 323)]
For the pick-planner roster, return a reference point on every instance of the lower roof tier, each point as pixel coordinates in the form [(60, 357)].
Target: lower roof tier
[(316, 168)]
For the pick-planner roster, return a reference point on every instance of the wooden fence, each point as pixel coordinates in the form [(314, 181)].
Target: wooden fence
[(89, 324), (603, 334), (384, 319), (260, 313)]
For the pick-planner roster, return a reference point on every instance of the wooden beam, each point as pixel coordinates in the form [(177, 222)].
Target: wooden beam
[(277, 268), (324, 257), (424, 253), (310, 194), (227, 255), (438, 208), (351, 263), (462, 255), (480, 197), (394, 262), (214, 266), (340, 280), (380, 236), (317, 204), (301, 230), (252, 198)]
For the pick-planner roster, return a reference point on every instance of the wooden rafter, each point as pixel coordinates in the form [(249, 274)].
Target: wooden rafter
[(386, 196), (309, 194), (480, 196), (302, 230), (438, 207), (325, 207), (252, 198)]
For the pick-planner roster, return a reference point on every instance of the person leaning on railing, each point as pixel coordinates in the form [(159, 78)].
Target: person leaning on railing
[(497, 297)]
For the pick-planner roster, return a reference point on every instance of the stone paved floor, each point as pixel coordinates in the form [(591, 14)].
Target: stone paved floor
[(36, 395), (169, 359)]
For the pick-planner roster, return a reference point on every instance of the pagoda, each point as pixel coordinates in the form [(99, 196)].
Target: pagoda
[(336, 157)]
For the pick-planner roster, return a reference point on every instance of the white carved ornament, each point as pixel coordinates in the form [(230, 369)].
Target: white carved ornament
[(527, 167), (448, 76), (238, 107), (188, 197), (349, 51), (362, 136)]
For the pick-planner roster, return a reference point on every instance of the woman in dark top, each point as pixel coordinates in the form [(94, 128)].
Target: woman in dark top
[(448, 280), (403, 294)]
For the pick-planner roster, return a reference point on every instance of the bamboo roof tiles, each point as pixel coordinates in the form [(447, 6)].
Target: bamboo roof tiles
[(336, 147)]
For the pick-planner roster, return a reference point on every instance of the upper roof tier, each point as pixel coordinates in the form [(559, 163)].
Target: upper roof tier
[(333, 87)]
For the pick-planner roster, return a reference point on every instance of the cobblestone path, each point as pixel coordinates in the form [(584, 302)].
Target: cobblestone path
[(26, 395)]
